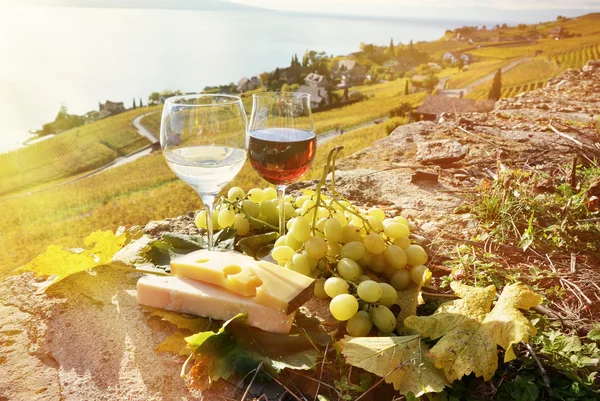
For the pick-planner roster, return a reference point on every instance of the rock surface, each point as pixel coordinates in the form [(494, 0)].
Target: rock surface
[(89, 340), (442, 151)]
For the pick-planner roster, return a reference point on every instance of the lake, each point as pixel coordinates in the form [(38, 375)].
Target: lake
[(82, 56)]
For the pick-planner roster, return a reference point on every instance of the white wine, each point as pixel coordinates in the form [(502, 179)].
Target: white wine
[(207, 169)]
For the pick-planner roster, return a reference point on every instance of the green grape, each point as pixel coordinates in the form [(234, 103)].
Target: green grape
[(333, 249), (369, 291), (348, 269), (235, 193), (377, 213), (389, 271), (320, 288), (351, 233), (256, 195), (396, 230), (259, 222), (402, 243), (420, 274), (225, 218), (320, 226), (308, 205), (288, 210), (241, 224), (251, 208), (280, 241), (288, 199), (360, 324), (402, 220), (389, 295), (215, 219), (365, 260), (333, 230), (282, 254), (357, 221), (288, 224), (378, 263), (300, 229), (374, 243), (335, 286), (299, 264), (395, 256), (322, 212), (363, 277), (376, 224), (353, 250), (270, 193), (268, 209), (312, 262), (301, 199), (316, 247), (416, 255), (400, 279), (292, 242), (341, 218), (201, 219), (343, 307), (384, 319)]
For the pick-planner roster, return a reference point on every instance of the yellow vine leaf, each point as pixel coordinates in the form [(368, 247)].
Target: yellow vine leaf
[(470, 330), (400, 360), (58, 263), (174, 344)]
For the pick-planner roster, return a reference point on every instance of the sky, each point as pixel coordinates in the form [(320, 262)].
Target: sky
[(312, 5)]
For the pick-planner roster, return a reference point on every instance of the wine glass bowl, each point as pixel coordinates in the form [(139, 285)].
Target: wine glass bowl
[(204, 141), (282, 141)]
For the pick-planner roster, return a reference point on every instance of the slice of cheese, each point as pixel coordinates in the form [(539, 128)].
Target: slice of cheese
[(274, 286), (201, 299)]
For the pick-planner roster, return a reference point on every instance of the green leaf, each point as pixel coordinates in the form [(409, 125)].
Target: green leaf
[(400, 360), (528, 235), (225, 238), (237, 347), (594, 335), (184, 241), (251, 245), (59, 263)]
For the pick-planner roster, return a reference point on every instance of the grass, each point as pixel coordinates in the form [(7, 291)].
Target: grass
[(476, 71), (72, 152), (131, 194), (530, 71)]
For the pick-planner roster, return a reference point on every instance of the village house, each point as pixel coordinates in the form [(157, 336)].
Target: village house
[(453, 57), (316, 80), (434, 105), (319, 96), (245, 85), (111, 107), (349, 72)]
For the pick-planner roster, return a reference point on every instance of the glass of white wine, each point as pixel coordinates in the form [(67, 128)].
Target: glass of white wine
[(204, 140)]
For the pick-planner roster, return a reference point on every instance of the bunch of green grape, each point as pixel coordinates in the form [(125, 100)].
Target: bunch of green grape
[(359, 258)]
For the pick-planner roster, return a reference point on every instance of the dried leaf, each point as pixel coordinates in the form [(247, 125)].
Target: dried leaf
[(400, 360), (470, 331), (59, 263)]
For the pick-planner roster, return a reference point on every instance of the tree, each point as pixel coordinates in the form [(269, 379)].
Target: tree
[(285, 88), (430, 82), (154, 97), (496, 89), (305, 59), (406, 87), (392, 50), (264, 79), (461, 64), (134, 104), (141, 105)]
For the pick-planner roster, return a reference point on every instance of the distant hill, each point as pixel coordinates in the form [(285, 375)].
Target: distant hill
[(156, 4)]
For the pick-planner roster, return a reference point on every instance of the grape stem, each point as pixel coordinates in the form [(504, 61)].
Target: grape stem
[(332, 153)]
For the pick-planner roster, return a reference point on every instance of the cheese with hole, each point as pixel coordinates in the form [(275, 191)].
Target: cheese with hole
[(196, 298), (268, 284)]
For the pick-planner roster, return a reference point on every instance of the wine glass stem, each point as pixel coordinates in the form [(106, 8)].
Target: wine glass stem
[(281, 195), (209, 201)]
